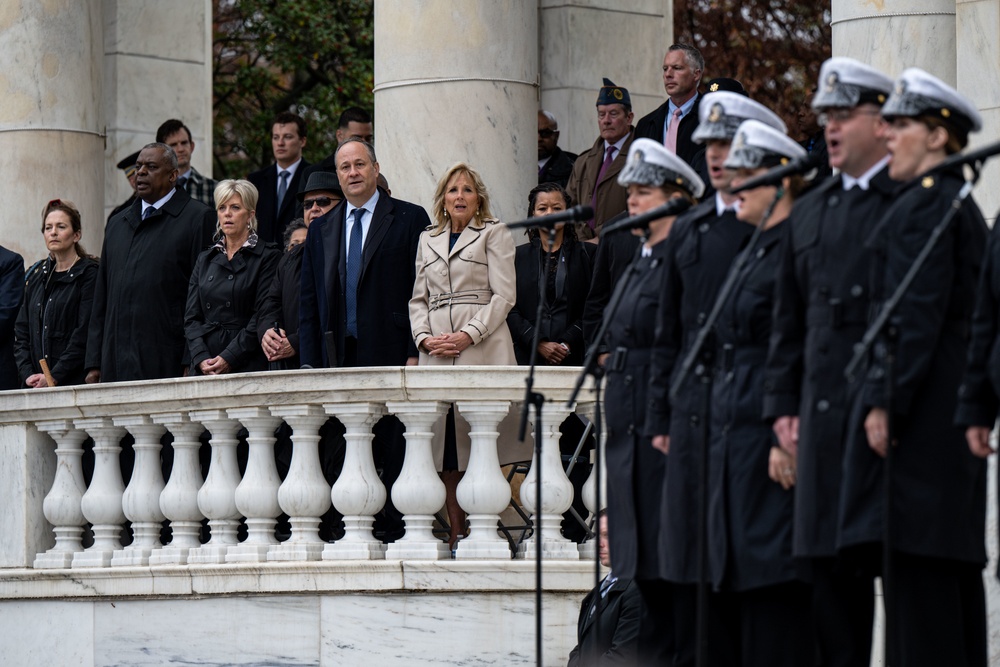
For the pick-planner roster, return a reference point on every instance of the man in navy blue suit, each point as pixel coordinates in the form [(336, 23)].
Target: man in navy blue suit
[(278, 183)]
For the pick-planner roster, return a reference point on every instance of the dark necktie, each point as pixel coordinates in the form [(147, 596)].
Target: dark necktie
[(182, 183), (282, 186), (354, 274), (148, 212)]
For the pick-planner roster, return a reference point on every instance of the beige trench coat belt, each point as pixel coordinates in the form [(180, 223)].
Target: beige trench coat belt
[(475, 297)]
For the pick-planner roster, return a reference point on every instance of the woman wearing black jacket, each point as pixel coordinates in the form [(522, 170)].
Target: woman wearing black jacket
[(228, 286), (566, 284), (59, 290)]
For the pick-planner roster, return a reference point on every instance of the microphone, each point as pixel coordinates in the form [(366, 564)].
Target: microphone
[(800, 165), (673, 207), (575, 214), (978, 155)]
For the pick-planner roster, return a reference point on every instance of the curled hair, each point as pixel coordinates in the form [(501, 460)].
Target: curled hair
[(296, 224), (243, 189), (71, 211), (482, 214)]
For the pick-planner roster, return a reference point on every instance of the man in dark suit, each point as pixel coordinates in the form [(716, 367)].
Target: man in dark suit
[(554, 164), (11, 296), (278, 183), (358, 269), (682, 69), (353, 122), (608, 629)]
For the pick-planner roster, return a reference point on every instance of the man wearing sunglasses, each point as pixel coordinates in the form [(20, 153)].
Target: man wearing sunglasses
[(320, 195), (554, 164)]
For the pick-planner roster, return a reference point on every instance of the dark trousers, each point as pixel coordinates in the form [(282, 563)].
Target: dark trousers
[(937, 613), (656, 625), (771, 626), (721, 651), (843, 610)]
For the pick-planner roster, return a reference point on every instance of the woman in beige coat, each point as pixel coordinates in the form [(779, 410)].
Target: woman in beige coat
[(465, 287)]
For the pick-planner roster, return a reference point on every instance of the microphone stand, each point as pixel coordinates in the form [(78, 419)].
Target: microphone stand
[(703, 353), (537, 400), (882, 327), (592, 369)]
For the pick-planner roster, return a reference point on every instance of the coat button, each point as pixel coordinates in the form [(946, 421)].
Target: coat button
[(211, 278), (227, 304), (857, 291), (230, 276), (703, 227), (823, 405), (631, 429), (208, 306), (701, 318), (833, 201), (628, 379)]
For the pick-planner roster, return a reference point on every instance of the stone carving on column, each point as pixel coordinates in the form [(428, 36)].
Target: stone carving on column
[(102, 502), (141, 500), (257, 494), (358, 493), (483, 491), (418, 492), (217, 496), (179, 500), (305, 494), (557, 492), (62, 503)]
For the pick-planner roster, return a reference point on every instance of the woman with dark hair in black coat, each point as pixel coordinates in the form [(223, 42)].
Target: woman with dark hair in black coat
[(59, 290), (567, 278)]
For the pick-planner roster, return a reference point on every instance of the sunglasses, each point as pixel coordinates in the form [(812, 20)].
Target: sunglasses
[(323, 202), (546, 133)]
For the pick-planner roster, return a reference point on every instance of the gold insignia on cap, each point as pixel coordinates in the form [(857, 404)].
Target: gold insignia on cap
[(928, 182), (715, 115), (714, 87), (638, 157), (617, 93), (945, 113), (679, 180), (881, 98), (740, 140), (832, 79), (784, 160)]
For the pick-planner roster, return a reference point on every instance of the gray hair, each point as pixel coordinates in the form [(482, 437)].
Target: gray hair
[(359, 140), (552, 119), (167, 150), (693, 56)]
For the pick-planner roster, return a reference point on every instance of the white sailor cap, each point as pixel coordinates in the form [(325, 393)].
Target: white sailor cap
[(650, 163), (846, 83), (918, 93), (721, 113), (759, 145)]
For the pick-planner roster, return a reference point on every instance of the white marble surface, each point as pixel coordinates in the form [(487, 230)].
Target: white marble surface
[(27, 467), (47, 633)]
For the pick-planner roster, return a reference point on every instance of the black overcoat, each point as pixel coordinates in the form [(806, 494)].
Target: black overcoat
[(700, 250), (750, 516), (821, 310), (562, 319), (614, 254), (137, 324), (281, 304), (938, 485), (635, 469), (11, 296), (615, 640), (53, 321), (224, 298)]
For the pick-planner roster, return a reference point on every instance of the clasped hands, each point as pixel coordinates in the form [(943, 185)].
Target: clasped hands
[(446, 344)]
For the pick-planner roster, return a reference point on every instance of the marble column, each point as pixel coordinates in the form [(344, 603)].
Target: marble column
[(305, 494), (217, 496), (52, 122), (456, 80), (141, 500), (62, 503), (179, 500), (557, 492), (358, 493), (483, 492), (102, 503), (257, 494), (589, 490), (418, 492)]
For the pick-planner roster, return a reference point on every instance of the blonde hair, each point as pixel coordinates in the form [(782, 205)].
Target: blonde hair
[(245, 190), (482, 214)]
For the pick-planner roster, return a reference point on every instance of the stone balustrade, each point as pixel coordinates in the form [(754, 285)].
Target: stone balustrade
[(47, 504)]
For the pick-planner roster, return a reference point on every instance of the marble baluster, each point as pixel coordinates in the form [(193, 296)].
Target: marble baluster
[(358, 493), (484, 491), (62, 503), (557, 492), (257, 494), (589, 490), (179, 500), (418, 492), (305, 494), (141, 500), (217, 496), (102, 502)]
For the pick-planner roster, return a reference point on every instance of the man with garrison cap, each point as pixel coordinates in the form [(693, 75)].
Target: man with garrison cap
[(127, 165), (700, 250), (594, 179), (822, 305)]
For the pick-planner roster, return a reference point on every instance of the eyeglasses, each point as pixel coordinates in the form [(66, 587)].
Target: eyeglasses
[(546, 133), (323, 202), (843, 115)]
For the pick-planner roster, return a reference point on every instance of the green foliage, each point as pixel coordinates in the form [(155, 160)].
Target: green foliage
[(773, 47), (312, 57)]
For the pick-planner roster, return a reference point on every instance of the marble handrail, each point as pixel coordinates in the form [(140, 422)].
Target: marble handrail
[(41, 432)]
